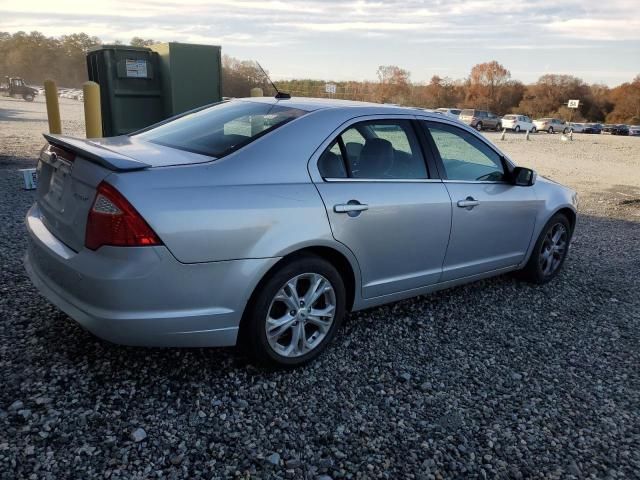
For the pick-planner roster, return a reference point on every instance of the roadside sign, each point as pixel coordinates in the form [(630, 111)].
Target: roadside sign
[(573, 103), (330, 88)]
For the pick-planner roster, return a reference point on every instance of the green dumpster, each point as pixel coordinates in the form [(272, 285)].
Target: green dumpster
[(191, 75), (131, 93)]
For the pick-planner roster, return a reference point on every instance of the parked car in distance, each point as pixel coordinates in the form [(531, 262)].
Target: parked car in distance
[(262, 221), (592, 128), (634, 131), (576, 127), (619, 129), (480, 119), (518, 123), (551, 125), (452, 112)]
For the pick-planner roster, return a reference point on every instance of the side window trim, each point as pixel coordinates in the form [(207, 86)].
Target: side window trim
[(440, 163), (343, 154)]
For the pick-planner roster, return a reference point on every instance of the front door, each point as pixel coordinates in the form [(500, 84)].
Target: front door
[(383, 206), (492, 219)]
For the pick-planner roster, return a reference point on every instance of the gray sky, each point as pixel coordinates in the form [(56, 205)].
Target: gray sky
[(597, 40)]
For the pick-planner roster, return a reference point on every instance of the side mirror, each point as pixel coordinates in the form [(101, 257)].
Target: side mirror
[(523, 177)]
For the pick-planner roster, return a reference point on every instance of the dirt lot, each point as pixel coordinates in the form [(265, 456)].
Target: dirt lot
[(497, 379)]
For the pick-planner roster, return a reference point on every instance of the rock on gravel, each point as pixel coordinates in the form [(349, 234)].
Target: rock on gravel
[(495, 386), (138, 435)]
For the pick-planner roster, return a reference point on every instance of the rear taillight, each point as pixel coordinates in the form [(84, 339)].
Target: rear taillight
[(113, 221)]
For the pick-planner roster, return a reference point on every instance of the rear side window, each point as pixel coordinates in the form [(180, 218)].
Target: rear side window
[(221, 129), (386, 149)]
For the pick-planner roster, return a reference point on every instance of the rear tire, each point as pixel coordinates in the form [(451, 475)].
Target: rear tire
[(533, 130), (28, 97), (549, 252), (479, 126), (279, 328), (550, 130)]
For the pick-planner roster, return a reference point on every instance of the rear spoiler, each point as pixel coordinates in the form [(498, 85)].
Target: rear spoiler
[(96, 153)]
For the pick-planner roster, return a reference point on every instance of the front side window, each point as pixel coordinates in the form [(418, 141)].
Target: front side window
[(221, 129), (464, 156), (376, 150)]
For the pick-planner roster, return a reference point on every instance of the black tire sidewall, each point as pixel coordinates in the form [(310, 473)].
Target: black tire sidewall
[(255, 334), (533, 265)]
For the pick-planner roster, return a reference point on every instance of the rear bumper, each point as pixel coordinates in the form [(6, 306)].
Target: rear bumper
[(142, 295)]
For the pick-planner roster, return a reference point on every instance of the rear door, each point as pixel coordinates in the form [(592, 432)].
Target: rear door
[(383, 204), (492, 219)]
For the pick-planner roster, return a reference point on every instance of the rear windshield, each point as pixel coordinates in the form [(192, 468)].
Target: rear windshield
[(221, 129)]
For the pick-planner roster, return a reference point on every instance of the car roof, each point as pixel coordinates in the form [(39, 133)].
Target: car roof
[(310, 104)]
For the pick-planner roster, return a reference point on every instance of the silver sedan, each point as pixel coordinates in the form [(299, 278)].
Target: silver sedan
[(263, 221)]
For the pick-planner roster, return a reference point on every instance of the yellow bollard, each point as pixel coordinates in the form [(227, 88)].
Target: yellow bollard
[(53, 108), (256, 92), (92, 112)]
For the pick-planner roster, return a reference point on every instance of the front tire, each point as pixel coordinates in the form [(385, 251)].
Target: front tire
[(550, 130), (517, 129), (28, 97), (549, 252), (294, 313), (533, 130), (479, 126)]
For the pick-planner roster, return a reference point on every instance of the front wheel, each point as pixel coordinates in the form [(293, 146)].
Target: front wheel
[(550, 251), (294, 313), (517, 129), (498, 127), (479, 126), (550, 130), (565, 131), (533, 130), (28, 97)]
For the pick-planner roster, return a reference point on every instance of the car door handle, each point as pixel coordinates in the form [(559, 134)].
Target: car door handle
[(351, 207), (468, 203)]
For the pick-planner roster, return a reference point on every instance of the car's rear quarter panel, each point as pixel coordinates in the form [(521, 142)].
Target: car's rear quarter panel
[(256, 203)]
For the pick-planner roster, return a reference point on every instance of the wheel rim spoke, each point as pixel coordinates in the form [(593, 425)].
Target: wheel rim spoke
[(276, 327)]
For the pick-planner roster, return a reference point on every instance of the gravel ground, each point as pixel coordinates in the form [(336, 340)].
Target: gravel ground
[(497, 379)]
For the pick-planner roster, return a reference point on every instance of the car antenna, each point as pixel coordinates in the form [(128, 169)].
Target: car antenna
[(279, 95)]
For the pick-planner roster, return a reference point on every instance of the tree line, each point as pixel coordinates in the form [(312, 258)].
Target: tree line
[(489, 86)]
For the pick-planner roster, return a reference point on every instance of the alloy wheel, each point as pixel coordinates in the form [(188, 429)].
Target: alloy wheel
[(300, 315), (553, 249)]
